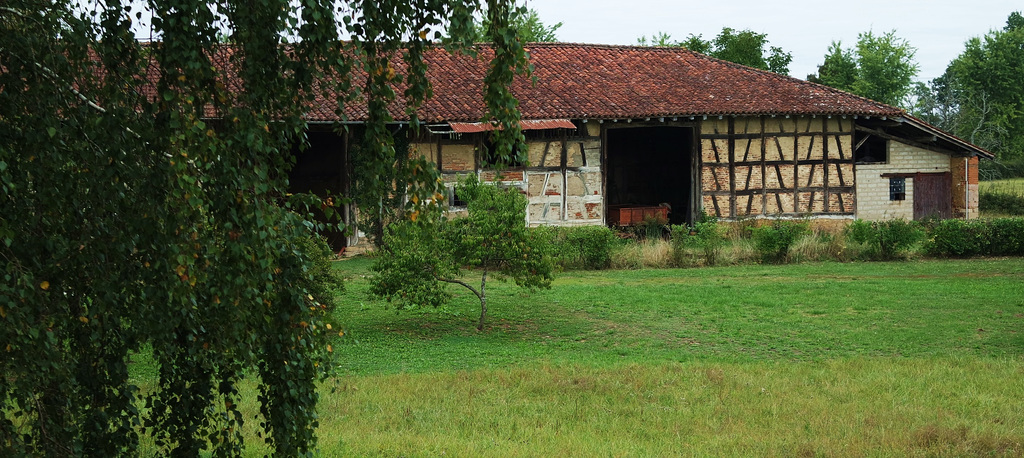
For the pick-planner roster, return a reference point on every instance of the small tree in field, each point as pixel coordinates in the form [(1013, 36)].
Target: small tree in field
[(420, 259)]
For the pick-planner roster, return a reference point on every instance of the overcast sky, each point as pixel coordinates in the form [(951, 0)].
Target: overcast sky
[(937, 28)]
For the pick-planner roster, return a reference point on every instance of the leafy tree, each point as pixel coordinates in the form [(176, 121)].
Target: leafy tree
[(881, 68), (985, 84), (696, 43), (839, 69), (744, 47), (1014, 22), (532, 30), (379, 203), (886, 67), (132, 223), (661, 39), (747, 48), (420, 260), (527, 24)]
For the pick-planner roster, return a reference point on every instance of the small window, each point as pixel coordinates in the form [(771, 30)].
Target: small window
[(871, 149), (897, 188), (489, 158), (453, 198)]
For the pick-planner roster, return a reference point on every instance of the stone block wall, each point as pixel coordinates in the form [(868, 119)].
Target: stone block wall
[(564, 181), (873, 188), (561, 178)]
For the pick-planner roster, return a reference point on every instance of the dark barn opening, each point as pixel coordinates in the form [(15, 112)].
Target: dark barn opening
[(320, 169), (651, 166)]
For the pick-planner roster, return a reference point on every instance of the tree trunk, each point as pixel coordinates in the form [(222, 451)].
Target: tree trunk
[(483, 301)]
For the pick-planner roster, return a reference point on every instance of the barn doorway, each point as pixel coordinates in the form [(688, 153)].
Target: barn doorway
[(320, 169), (651, 166)]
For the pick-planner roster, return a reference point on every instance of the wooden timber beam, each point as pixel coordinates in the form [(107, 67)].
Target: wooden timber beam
[(888, 136)]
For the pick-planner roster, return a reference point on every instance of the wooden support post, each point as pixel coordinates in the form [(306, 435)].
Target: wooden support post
[(825, 161), (732, 167), (764, 171)]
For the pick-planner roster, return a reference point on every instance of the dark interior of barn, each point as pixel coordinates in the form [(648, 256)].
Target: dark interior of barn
[(651, 166), (320, 169)]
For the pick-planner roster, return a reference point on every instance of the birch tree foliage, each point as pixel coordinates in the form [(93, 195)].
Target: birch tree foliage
[(143, 209)]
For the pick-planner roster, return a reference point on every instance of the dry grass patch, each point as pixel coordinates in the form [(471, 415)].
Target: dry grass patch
[(739, 251), (849, 408), (650, 253), (822, 246)]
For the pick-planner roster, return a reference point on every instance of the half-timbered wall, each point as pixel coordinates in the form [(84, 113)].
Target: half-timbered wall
[(561, 179), (873, 197), (775, 166)]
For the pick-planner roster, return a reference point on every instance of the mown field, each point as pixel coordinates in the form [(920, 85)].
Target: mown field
[(1001, 198), (921, 358), (916, 358), (1010, 186)]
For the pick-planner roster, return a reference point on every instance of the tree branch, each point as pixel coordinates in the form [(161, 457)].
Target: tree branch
[(460, 282)]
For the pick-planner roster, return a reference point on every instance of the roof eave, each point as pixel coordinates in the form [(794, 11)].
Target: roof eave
[(969, 149)]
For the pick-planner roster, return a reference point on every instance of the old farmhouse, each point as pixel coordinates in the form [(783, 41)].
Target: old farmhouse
[(613, 128)]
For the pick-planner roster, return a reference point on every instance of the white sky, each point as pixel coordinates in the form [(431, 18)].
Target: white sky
[(805, 28)]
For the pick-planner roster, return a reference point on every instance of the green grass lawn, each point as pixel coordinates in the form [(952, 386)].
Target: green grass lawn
[(916, 358), (804, 312), (921, 358)]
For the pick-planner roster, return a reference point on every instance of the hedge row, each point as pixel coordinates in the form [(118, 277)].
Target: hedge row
[(591, 247), (580, 247), (994, 237)]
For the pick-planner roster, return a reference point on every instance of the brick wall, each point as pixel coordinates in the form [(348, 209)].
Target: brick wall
[(777, 166), (873, 189), (965, 186)]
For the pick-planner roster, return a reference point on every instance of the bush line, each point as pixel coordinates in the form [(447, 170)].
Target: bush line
[(709, 243)]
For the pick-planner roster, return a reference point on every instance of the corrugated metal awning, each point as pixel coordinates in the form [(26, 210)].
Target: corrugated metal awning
[(526, 124)]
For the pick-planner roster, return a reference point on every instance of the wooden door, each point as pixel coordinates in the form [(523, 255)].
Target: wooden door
[(933, 195)]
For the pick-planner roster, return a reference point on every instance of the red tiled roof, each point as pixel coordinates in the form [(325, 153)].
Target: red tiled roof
[(580, 81), (526, 124), (577, 81)]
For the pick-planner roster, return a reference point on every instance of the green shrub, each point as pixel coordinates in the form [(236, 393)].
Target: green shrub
[(1001, 202), (683, 254), (705, 238), (322, 282), (1006, 236), (592, 245), (885, 240), (860, 231), (580, 247), (773, 241), (959, 238), (650, 228)]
